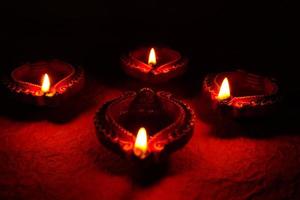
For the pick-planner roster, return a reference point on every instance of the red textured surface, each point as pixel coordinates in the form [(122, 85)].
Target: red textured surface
[(42, 158)]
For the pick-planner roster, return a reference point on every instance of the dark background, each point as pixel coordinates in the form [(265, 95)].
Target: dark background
[(215, 35)]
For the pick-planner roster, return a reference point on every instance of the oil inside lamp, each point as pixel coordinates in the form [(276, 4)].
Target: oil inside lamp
[(152, 57), (141, 143), (45, 84), (224, 92)]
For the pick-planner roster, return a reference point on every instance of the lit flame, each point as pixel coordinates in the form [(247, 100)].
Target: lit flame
[(224, 92), (152, 57), (141, 143), (45, 83)]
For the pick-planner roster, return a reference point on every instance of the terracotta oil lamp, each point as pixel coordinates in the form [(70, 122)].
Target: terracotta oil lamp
[(145, 124), (46, 83), (241, 94), (154, 65)]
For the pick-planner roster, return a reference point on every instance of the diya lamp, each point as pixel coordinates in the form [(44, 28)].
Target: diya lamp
[(154, 65), (45, 83), (145, 125), (241, 94)]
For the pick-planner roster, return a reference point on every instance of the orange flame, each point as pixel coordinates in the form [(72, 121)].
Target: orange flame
[(45, 84), (152, 57), (141, 143), (224, 92)]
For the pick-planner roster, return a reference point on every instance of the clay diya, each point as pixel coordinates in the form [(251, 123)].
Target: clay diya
[(241, 94), (154, 65), (45, 83), (145, 124)]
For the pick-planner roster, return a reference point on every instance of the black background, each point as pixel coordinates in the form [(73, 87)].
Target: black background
[(216, 35)]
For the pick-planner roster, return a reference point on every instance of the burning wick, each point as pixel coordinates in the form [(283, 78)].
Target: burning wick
[(141, 143), (152, 57), (224, 92), (45, 84)]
